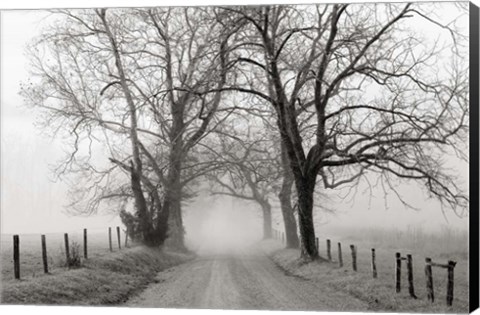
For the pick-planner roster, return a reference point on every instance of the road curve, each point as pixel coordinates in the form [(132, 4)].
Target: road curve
[(240, 281)]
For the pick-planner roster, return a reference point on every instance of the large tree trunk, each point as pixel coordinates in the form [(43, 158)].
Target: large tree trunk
[(173, 199), (161, 227), (289, 221), (177, 230), (305, 188), (146, 220), (285, 197), (145, 223), (267, 220)]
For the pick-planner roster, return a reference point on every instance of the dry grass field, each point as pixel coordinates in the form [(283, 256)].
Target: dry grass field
[(31, 265), (114, 276), (380, 292), (105, 278)]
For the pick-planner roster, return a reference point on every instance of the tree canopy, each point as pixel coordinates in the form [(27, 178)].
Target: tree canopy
[(258, 100)]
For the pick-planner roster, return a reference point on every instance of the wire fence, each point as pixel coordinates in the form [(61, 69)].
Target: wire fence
[(402, 271), (32, 255)]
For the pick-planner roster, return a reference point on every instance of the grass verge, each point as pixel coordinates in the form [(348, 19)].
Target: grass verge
[(108, 280)]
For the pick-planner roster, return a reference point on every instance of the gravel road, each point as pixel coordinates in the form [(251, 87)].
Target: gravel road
[(246, 280)]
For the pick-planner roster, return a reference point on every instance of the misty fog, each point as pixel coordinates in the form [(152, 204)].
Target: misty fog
[(32, 203)]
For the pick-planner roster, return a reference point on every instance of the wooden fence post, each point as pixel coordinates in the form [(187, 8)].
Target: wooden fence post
[(110, 239), (85, 244), (374, 264), (340, 259), (67, 248), (428, 274), (44, 254), (118, 237), (316, 244), (411, 290), (398, 272), (451, 266), (354, 257), (16, 256), (329, 250), (126, 238)]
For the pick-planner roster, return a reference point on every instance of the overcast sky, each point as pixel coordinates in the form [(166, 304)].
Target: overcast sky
[(31, 202)]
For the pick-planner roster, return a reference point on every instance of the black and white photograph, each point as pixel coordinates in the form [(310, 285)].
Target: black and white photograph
[(283, 157)]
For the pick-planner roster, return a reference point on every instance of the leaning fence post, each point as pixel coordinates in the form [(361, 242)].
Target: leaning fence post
[(85, 248), (451, 266), (428, 274), (16, 256), (118, 237), (340, 259), (110, 239), (67, 248), (398, 271), (411, 290), (354, 257), (329, 250), (44, 254), (374, 264)]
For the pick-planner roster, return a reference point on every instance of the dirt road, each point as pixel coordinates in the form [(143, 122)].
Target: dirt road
[(240, 281)]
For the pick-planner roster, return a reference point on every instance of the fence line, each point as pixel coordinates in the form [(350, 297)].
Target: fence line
[(374, 264), (70, 253), (16, 256), (67, 248), (85, 244), (329, 250), (110, 239), (354, 257), (450, 266), (340, 259), (118, 238), (44, 254), (411, 289)]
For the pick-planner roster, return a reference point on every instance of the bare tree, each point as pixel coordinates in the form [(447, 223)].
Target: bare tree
[(247, 166), (247, 149), (317, 63), (353, 91), (132, 75)]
